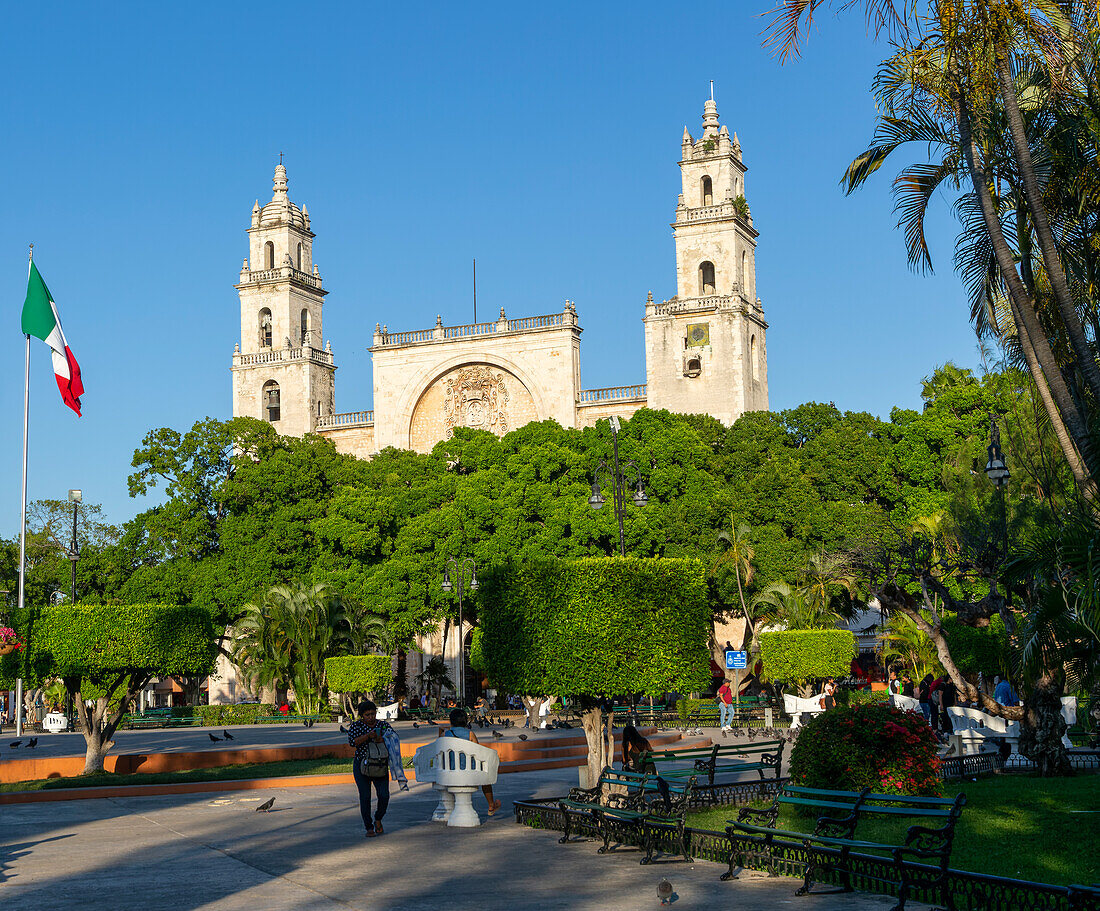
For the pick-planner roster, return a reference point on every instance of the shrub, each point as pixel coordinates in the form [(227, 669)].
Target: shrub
[(875, 746), (355, 675), (797, 656), (218, 715), (975, 649)]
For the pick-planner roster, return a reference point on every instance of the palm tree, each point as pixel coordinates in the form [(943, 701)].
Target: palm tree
[(953, 85), (435, 674), (823, 578), (780, 604), (285, 639), (739, 555), (904, 641)]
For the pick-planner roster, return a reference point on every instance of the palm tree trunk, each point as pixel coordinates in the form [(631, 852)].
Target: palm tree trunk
[(1023, 312), (1084, 357), (1065, 441)]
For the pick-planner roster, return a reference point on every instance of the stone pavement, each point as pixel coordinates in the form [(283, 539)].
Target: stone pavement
[(213, 852)]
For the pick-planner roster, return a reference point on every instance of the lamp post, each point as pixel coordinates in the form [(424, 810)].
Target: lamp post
[(460, 586), (619, 483), (997, 472), (75, 497)]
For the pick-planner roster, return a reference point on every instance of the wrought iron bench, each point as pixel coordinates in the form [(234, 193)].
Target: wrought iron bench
[(623, 801), (717, 760), (929, 848)]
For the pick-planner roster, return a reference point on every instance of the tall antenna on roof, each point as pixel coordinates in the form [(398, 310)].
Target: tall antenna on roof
[(475, 291), (712, 90)]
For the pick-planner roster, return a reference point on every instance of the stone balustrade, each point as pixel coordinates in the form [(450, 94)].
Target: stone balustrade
[(283, 355), (345, 419), (472, 330), (283, 273), (611, 394), (688, 304)]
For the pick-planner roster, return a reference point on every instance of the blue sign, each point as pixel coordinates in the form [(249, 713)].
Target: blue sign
[(737, 661)]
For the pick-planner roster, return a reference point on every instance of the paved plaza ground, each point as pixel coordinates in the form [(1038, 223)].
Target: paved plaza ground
[(214, 852)]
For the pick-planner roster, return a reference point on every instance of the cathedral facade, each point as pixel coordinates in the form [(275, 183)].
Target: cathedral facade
[(705, 348)]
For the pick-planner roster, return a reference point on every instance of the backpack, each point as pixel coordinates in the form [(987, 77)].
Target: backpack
[(937, 697), (377, 762)]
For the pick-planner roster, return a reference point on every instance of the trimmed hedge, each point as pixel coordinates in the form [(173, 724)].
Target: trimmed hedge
[(97, 641), (799, 655), (595, 627), (359, 673)]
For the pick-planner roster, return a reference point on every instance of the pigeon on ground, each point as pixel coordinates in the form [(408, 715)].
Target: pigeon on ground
[(415, 725), (32, 743), (664, 891), (213, 738), (497, 735), (522, 736), (265, 806), (14, 744), (228, 736), (432, 723)]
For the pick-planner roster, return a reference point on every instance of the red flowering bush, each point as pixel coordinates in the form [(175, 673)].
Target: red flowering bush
[(876, 746), (8, 638)]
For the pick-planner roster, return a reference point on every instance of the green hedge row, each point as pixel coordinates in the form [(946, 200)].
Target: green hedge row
[(359, 673), (217, 715), (596, 626), (800, 655)]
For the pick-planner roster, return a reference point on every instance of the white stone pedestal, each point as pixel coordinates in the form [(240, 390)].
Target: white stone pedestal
[(446, 804), (463, 815)]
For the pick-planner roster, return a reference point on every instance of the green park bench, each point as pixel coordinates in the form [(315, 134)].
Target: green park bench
[(629, 801), (718, 760), (929, 848)]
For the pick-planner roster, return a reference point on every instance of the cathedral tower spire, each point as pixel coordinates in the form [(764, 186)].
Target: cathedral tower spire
[(705, 350), (281, 372)]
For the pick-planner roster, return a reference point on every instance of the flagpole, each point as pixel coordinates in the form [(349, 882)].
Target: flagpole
[(23, 518)]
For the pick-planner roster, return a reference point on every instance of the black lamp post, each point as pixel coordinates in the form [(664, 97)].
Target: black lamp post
[(618, 482), (460, 585), (75, 497), (998, 473)]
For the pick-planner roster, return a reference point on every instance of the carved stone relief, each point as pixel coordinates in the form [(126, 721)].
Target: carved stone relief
[(476, 397)]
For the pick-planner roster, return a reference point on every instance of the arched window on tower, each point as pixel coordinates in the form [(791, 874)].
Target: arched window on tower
[(269, 255), (708, 194), (752, 358), (706, 278), (271, 401), (299, 257), (305, 327), (265, 328)]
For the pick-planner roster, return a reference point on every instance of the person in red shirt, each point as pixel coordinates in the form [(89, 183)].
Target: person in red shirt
[(725, 706)]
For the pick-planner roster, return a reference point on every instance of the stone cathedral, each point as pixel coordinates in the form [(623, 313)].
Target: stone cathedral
[(705, 348)]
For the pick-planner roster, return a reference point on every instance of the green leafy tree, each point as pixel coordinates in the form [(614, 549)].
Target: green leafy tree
[(107, 654), (358, 676), (800, 657), (595, 628)]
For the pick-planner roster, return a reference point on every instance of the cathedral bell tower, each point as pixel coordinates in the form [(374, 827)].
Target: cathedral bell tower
[(280, 372), (705, 347)]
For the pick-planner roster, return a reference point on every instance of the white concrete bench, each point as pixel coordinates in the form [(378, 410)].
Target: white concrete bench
[(797, 706), (973, 727), (456, 768), (54, 722), (906, 703)]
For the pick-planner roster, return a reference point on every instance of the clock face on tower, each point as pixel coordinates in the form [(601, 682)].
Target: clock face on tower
[(698, 335)]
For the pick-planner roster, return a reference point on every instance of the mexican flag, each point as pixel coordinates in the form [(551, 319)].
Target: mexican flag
[(40, 319)]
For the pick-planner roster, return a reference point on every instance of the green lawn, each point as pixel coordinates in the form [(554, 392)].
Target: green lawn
[(330, 766), (1044, 830)]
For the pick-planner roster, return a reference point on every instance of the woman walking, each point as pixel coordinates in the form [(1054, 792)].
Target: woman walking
[(372, 764)]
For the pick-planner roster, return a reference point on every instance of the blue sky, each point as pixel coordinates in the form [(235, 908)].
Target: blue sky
[(543, 142)]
